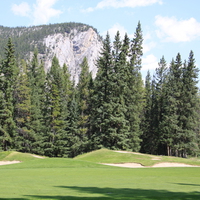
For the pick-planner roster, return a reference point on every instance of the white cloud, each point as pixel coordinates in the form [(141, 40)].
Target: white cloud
[(123, 3), (40, 13), (150, 62), (22, 9), (172, 30), (43, 11), (113, 30), (148, 45)]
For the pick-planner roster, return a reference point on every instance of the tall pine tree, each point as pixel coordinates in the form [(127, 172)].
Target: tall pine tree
[(134, 91), (8, 71), (36, 78)]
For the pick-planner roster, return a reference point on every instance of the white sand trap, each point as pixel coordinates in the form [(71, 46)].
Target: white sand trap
[(9, 162), (168, 164), (128, 165), (38, 156), (129, 152), (137, 165)]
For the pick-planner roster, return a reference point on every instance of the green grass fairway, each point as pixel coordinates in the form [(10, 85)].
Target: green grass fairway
[(61, 178)]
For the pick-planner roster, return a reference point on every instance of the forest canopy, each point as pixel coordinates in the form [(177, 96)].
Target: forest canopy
[(46, 113)]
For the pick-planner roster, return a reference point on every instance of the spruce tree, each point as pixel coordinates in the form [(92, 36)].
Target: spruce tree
[(110, 125), (54, 143), (189, 115), (72, 129), (171, 125), (36, 78), (83, 99), (147, 128), (8, 71), (101, 98), (25, 138), (159, 105), (134, 91)]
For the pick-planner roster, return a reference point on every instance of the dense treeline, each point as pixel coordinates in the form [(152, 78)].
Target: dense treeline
[(46, 114)]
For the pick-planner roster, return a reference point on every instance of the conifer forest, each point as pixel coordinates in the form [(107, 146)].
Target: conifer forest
[(46, 113)]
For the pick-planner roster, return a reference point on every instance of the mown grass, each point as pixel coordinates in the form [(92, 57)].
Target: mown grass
[(13, 155), (108, 156), (62, 178)]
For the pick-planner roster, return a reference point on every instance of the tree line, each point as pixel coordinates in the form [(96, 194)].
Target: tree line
[(46, 113)]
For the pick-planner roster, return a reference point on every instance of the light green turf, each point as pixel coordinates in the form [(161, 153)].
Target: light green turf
[(61, 178), (108, 156)]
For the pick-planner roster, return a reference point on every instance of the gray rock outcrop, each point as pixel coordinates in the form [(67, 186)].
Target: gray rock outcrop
[(71, 48)]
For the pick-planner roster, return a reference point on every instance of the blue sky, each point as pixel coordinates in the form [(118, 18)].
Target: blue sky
[(169, 26)]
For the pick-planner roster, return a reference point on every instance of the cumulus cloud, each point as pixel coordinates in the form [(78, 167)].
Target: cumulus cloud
[(43, 11), (148, 45), (113, 30), (40, 13), (170, 29), (22, 9), (123, 3), (150, 62)]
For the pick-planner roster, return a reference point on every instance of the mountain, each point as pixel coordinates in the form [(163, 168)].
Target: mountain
[(70, 42)]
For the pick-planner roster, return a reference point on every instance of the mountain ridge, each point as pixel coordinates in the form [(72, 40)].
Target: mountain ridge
[(69, 42)]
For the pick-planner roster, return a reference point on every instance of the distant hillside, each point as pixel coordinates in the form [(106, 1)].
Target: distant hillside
[(70, 42)]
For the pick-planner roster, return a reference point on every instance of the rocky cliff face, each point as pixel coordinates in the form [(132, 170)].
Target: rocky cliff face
[(70, 42), (71, 48)]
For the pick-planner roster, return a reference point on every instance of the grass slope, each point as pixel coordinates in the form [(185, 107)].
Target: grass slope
[(13, 155), (108, 156), (62, 178)]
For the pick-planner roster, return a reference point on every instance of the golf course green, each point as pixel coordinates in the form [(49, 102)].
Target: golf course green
[(85, 178)]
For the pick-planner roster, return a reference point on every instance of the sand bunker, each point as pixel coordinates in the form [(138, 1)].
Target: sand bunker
[(137, 165), (128, 165), (38, 156), (129, 152), (168, 164), (9, 162)]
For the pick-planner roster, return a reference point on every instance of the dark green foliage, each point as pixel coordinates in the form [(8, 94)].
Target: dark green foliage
[(36, 77), (147, 121), (55, 117), (83, 101), (45, 113), (8, 71), (117, 94), (134, 91), (25, 138), (173, 117)]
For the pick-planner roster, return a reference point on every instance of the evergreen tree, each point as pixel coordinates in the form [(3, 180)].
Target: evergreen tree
[(159, 105), (74, 142), (111, 126), (188, 113), (171, 124), (25, 137), (134, 91), (54, 143), (8, 71), (36, 78), (147, 126), (100, 116), (83, 99)]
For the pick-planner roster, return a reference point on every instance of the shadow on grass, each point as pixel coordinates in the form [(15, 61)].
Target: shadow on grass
[(187, 184), (95, 193)]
